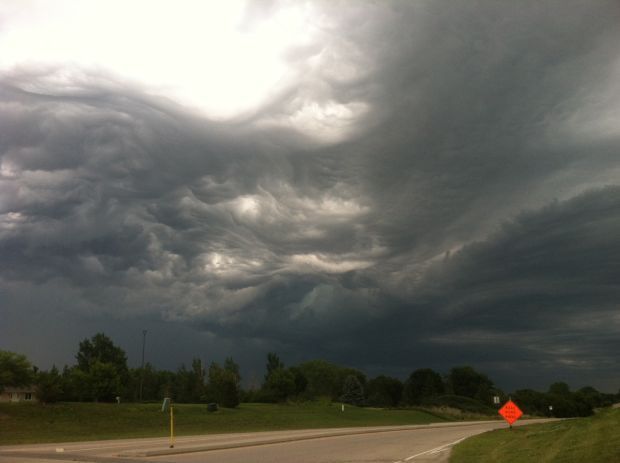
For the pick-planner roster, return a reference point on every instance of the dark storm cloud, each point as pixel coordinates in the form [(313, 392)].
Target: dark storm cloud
[(400, 242), (540, 291)]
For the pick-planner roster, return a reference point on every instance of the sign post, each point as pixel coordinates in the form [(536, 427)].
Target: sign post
[(510, 412), (171, 426), (165, 404), (168, 404)]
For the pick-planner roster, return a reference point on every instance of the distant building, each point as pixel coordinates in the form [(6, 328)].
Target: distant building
[(18, 394)]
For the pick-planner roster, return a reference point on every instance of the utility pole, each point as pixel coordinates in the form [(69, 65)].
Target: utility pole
[(142, 367)]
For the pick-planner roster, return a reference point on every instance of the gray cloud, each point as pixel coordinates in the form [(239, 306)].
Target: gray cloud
[(400, 242)]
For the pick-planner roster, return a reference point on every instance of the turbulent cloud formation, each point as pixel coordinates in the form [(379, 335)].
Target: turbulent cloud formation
[(430, 184)]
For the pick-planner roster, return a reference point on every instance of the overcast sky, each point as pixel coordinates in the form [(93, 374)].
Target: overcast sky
[(385, 185)]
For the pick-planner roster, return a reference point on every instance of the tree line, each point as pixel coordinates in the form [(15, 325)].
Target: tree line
[(101, 374)]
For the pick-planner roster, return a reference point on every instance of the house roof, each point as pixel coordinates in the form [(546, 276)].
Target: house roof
[(30, 389)]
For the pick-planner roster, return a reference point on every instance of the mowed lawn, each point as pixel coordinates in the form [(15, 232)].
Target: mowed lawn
[(32, 423), (593, 439)]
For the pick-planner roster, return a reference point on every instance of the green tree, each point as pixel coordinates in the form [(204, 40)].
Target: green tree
[(189, 384), (197, 380), (352, 391), (560, 389), (384, 391), (223, 386), (77, 385), (273, 363), (104, 366), (591, 396), (100, 348), (49, 385), (532, 402), (105, 382), (150, 383), (231, 366), (467, 382), (15, 370), (422, 383), (301, 382), (280, 385), (326, 379)]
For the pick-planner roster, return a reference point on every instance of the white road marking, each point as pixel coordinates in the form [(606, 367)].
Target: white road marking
[(441, 448)]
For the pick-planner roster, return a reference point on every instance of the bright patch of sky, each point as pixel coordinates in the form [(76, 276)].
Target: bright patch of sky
[(201, 54)]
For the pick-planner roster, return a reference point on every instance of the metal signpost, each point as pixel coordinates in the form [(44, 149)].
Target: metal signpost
[(171, 426), (168, 404), (165, 404)]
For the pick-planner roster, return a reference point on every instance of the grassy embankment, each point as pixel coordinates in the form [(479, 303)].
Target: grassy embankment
[(593, 439), (32, 423)]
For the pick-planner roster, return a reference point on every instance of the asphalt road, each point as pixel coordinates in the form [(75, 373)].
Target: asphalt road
[(426, 443)]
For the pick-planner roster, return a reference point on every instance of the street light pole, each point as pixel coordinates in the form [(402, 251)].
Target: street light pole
[(142, 367)]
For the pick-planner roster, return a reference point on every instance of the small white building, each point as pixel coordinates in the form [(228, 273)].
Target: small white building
[(18, 394)]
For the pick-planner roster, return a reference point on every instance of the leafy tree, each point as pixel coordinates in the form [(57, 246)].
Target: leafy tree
[(560, 389), (100, 348), (384, 391), (223, 387), (231, 366), (326, 379), (301, 382), (15, 370), (105, 381), (165, 381), (77, 385), (423, 383), (104, 368), (273, 363), (568, 406), (566, 403), (189, 384), (280, 385), (197, 380), (49, 386), (151, 383), (532, 402), (591, 396), (352, 391), (467, 382)]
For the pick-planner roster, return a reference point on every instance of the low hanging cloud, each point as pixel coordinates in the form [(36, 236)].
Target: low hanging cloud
[(430, 186)]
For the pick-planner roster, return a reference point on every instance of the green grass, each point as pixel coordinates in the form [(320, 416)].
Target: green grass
[(33, 423), (593, 439)]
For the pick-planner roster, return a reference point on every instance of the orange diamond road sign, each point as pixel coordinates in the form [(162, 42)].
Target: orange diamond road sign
[(510, 412)]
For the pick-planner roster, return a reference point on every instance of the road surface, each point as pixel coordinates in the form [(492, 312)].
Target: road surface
[(424, 443)]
